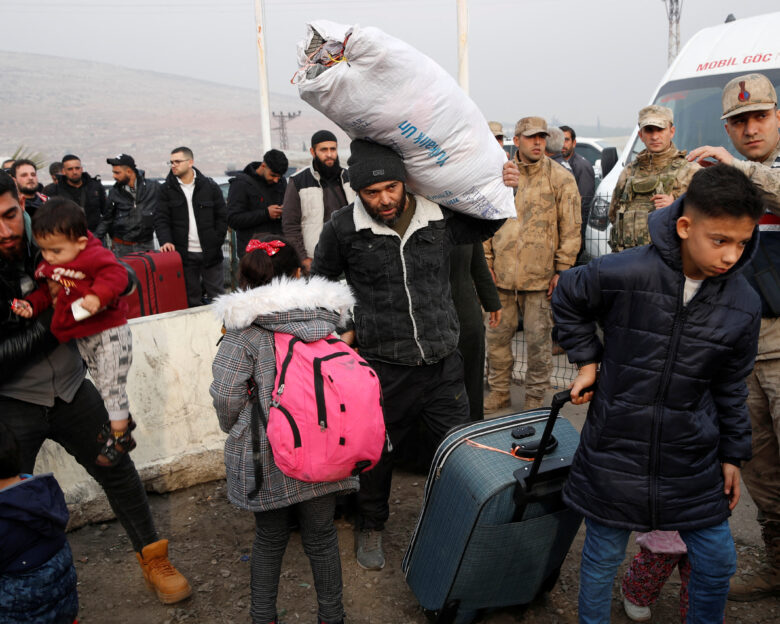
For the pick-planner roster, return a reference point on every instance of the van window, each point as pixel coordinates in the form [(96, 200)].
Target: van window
[(697, 107), (588, 152)]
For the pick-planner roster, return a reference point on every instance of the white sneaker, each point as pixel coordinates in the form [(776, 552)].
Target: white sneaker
[(634, 612)]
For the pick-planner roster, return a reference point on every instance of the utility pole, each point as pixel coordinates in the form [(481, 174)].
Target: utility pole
[(463, 45), (673, 10), (282, 127), (262, 71)]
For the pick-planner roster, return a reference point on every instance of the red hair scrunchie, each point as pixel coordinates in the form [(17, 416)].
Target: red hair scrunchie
[(271, 247)]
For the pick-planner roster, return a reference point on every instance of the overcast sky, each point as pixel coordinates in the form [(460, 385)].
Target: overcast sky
[(575, 60)]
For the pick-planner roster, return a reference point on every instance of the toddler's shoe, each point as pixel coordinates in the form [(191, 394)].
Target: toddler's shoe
[(634, 612), (115, 446)]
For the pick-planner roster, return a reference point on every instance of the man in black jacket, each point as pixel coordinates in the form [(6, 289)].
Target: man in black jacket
[(583, 174), (129, 214), (192, 220), (394, 249), (86, 191), (255, 198), (44, 395)]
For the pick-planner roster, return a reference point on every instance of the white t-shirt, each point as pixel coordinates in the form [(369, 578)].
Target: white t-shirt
[(691, 288), (193, 240)]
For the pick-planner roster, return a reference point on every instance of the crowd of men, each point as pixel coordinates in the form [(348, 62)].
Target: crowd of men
[(371, 243)]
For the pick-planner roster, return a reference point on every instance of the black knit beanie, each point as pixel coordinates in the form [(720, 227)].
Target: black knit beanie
[(321, 136), (370, 163)]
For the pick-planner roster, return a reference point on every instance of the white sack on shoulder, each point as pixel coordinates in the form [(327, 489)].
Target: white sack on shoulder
[(390, 93)]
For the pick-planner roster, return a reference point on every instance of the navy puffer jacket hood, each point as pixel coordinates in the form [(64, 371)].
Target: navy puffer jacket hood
[(670, 404)]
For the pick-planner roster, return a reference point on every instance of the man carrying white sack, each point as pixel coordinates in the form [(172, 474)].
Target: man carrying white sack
[(394, 247)]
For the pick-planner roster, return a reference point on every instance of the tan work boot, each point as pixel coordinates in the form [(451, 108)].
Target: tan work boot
[(496, 401), (760, 584), (766, 580), (160, 575)]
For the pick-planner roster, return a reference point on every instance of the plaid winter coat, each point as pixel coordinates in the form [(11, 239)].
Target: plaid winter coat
[(309, 310)]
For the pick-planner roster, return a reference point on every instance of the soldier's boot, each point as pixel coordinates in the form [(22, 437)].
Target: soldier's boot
[(533, 402), (496, 401), (766, 580)]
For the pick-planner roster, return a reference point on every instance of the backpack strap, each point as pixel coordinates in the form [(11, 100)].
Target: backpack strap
[(258, 416)]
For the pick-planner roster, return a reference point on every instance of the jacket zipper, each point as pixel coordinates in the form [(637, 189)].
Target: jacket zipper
[(409, 299), (655, 444)]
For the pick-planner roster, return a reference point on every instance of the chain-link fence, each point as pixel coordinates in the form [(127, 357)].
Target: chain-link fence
[(595, 244)]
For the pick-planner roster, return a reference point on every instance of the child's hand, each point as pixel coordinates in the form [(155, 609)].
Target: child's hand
[(585, 379), (54, 290), (731, 484), (22, 308), (91, 303)]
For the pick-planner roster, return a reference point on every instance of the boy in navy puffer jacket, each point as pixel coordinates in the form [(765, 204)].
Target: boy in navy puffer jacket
[(668, 428), (37, 577)]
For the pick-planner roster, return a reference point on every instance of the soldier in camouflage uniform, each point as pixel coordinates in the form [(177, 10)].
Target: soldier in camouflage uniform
[(658, 175), (526, 255), (752, 123)]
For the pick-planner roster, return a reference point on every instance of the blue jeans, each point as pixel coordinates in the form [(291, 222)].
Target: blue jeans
[(713, 561)]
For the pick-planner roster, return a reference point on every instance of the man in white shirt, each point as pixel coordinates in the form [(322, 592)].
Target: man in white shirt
[(192, 220)]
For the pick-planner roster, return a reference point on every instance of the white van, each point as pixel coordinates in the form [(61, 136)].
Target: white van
[(692, 88)]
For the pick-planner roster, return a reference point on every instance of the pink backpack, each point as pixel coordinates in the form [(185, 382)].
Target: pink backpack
[(325, 421)]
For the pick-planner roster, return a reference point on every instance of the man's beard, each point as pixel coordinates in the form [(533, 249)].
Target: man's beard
[(12, 253), (399, 208), (329, 172), (29, 192)]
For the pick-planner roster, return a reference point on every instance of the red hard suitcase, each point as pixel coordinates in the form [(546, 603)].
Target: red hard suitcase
[(160, 286)]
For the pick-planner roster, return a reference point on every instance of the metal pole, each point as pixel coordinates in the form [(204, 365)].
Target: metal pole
[(262, 71), (463, 45)]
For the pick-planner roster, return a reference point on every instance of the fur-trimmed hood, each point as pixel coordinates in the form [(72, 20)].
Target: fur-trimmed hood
[(283, 294)]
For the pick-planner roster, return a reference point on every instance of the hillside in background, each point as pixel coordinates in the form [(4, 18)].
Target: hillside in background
[(96, 110)]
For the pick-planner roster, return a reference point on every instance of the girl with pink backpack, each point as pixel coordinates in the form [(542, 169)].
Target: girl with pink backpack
[(274, 300)]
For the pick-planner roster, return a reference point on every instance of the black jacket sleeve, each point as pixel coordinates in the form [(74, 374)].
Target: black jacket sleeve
[(576, 305), (483, 280), (106, 218), (328, 260), (220, 212), (162, 216), (465, 229), (24, 346)]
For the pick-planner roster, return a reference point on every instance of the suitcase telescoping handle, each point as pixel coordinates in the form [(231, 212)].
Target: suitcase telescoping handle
[(559, 400)]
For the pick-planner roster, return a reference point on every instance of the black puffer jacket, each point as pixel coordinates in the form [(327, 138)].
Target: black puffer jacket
[(670, 404), (130, 218), (404, 312), (172, 220)]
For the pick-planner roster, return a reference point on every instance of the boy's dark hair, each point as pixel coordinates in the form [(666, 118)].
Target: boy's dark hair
[(186, 151), (257, 268), (570, 130), (276, 161), (55, 168), (722, 190), (60, 216), (19, 163), (68, 157), (10, 456), (8, 185)]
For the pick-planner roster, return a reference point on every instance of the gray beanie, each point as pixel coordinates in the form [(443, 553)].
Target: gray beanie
[(370, 163)]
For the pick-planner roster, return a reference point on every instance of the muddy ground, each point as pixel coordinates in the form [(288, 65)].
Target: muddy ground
[(211, 542)]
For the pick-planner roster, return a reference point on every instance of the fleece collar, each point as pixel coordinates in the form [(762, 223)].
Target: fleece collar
[(425, 212), (284, 294)]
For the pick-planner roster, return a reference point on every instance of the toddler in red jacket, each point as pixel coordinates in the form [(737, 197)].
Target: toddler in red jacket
[(83, 281)]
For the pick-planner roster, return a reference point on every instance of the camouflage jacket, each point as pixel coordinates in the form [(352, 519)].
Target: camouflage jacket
[(766, 175), (526, 252), (668, 173)]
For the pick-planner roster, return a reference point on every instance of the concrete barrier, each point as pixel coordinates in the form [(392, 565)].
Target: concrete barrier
[(179, 441)]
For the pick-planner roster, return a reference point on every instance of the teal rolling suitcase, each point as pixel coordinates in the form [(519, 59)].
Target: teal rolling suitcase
[(493, 530)]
